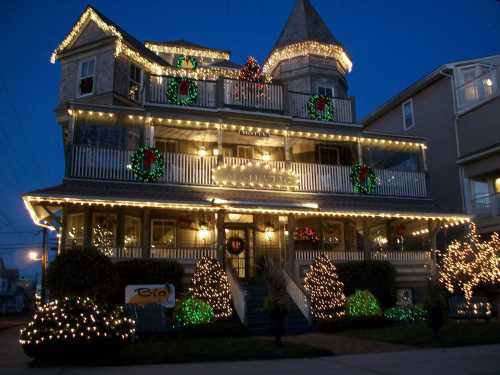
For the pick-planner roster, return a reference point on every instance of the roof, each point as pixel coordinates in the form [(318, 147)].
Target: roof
[(186, 44), (247, 198), (304, 24), (227, 64), (418, 86)]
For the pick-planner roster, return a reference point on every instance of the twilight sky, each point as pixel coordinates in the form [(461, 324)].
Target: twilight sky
[(392, 43)]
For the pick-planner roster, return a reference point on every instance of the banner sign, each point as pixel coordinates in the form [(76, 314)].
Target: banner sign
[(162, 294)]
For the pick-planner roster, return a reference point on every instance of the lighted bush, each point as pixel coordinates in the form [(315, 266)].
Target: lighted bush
[(362, 303), (194, 311), (405, 314), (75, 326)]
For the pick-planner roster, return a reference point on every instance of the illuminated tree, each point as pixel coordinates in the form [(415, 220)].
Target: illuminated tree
[(210, 284), (362, 303), (251, 71), (194, 311), (470, 262), (102, 239), (325, 289)]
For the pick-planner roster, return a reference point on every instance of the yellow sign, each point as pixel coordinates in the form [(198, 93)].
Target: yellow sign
[(161, 294)]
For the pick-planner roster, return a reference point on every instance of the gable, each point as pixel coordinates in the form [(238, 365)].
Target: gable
[(91, 33)]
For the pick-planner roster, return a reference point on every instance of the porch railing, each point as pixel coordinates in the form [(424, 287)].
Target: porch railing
[(486, 206), (308, 256), (253, 96), (111, 164), (238, 293), (126, 253), (342, 108), (183, 254), (298, 296)]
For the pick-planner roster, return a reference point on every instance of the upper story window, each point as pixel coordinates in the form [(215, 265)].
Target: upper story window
[(326, 91), (475, 83), (86, 77), (408, 115), (135, 82)]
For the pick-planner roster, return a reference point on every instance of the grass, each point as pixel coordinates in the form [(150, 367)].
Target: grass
[(452, 334), (155, 350)]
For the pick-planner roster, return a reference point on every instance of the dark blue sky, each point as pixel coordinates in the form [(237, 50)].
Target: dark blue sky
[(392, 44)]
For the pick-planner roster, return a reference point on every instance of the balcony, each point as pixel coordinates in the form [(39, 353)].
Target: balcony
[(478, 90), (184, 169), (248, 96), (487, 206)]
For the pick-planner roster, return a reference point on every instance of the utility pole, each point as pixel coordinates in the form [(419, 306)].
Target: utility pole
[(44, 264)]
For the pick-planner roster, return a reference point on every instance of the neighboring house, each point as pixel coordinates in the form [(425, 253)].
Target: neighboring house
[(251, 169), (456, 108), (12, 296)]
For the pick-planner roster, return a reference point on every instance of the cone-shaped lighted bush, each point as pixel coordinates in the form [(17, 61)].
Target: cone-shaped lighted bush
[(210, 284), (75, 326), (194, 311), (326, 291), (362, 303)]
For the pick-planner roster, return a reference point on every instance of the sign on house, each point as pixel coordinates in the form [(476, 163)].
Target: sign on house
[(161, 294)]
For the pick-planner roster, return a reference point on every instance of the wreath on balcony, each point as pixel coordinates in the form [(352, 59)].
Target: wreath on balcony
[(186, 62), (319, 107), (363, 178), (147, 164), (235, 245), (182, 91)]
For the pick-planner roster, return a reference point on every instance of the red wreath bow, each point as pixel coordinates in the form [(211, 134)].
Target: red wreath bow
[(149, 158), (184, 87), (321, 103), (363, 174)]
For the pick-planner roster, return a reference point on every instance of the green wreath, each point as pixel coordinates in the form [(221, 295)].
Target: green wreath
[(182, 91), (319, 107), (147, 164), (363, 178), (185, 62), (235, 245)]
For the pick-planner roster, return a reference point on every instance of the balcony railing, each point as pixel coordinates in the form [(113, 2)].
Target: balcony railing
[(395, 257), (111, 164), (486, 206), (247, 96), (478, 90)]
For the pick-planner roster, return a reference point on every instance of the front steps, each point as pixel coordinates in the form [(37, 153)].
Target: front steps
[(258, 321)]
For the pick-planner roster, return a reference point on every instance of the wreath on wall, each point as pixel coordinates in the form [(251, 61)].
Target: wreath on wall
[(186, 62), (182, 91), (363, 178), (319, 107), (235, 245), (147, 164)]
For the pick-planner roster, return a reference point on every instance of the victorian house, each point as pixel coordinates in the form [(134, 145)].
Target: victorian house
[(172, 150)]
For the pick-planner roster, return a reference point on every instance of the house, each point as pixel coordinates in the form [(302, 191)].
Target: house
[(456, 108), (12, 297), (173, 152)]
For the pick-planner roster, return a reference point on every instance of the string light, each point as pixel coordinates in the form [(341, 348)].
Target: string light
[(194, 311), (326, 291), (196, 52), (405, 314), (470, 262), (362, 303), (210, 284), (304, 49)]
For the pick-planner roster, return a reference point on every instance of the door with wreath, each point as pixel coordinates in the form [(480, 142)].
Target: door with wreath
[(239, 250)]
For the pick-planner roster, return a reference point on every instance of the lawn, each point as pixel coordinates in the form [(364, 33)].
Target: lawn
[(453, 334), (179, 350)]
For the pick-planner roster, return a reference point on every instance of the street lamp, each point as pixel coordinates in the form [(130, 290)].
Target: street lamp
[(33, 256)]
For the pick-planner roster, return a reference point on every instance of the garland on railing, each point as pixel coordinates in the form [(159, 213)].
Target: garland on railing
[(147, 164), (363, 178), (320, 107)]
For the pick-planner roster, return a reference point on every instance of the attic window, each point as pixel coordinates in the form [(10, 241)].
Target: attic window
[(408, 115), (86, 77), (135, 82)]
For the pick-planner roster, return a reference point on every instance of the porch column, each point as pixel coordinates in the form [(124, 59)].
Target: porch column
[(120, 244), (433, 231), (146, 233), (220, 157), (360, 152), (287, 150), (291, 258), (220, 235), (87, 234), (366, 240), (64, 221)]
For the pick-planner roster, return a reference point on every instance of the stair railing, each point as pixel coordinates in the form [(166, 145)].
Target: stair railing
[(239, 294), (298, 295)]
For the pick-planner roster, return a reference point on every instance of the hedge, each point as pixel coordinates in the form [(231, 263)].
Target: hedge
[(379, 277)]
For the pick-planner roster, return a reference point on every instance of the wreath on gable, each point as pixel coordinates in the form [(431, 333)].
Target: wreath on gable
[(363, 178), (235, 245), (147, 164), (320, 107), (186, 62), (182, 91)]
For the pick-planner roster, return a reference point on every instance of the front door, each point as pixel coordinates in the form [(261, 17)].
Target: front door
[(239, 249)]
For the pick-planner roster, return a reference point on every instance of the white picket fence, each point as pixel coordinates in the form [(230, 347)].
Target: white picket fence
[(396, 257), (183, 254)]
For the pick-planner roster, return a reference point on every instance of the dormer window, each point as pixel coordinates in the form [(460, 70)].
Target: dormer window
[(326, 91), (135, 82), (86, 75), (408, 115)]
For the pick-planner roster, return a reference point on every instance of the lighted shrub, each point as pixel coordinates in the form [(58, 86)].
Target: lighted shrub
[(194, 311), (361, 304), (75, 326), (405, 314)]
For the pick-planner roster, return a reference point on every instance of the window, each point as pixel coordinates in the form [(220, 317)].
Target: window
[(326, 91), (408, 116), (75, 230), (497, 185), (166, 145), (329, 155), (86, 77), (245, 152), (132, 231), (135, 82), (162, 233), (104, 232)]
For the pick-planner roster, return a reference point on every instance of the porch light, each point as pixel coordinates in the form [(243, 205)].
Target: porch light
[(269, 232), (202, 152), (33, 256), (488, 82), (266, 156), (203, 232), (216, 151)]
